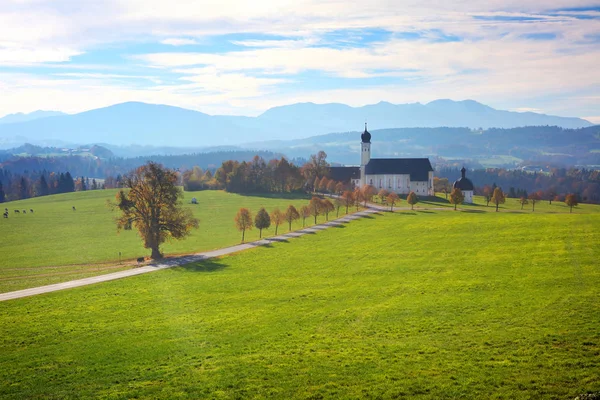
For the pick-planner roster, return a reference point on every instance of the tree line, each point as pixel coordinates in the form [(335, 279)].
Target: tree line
[(557, 184), (40, 183)]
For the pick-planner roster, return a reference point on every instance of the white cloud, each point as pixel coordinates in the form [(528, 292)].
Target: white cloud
[(492, 63), (179, 41)]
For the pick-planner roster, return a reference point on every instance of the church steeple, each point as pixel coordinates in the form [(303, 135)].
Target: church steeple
[(366, 136)]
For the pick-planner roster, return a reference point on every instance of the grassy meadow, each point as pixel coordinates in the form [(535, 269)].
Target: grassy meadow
[(416, 304), (56, 244)]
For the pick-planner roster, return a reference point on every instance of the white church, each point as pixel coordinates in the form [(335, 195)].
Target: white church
[(399, 175)]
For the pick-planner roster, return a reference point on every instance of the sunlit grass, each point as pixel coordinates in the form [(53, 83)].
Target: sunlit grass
[(419, 304)]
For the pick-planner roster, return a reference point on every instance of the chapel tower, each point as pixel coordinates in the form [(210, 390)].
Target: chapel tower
[(365, 154)]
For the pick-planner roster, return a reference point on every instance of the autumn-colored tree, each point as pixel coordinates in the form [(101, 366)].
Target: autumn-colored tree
[(291, 214), (523, 200), (368, 191), (347, 199), (262, 220), (323, 184), (382, 194), (339, 188), (305, 213), (327, 207), (243, 221), (392, 199), (550, 194), (338, 203), (456, 197), (331, 186), (412, 199), (487, 194), (441, 185), (357, 195), (315, 207), (534, 197), (571, 201), (498, 197), (152, 206), (278, 218)]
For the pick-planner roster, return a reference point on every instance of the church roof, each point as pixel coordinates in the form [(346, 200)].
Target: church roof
[(344, 174), (463, 183), (417, 168)]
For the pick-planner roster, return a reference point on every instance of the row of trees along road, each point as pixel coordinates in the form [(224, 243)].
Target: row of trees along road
[(153, 206), (263, 219)]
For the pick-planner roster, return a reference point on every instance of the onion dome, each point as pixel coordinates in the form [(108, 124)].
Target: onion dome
[(366, 136), (463, 183)]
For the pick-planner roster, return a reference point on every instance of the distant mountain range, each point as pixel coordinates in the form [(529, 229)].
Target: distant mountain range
[(162, 125), (21, 117)]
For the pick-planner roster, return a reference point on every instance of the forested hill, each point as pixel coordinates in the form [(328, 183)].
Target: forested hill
[(540, 143), (100, 168)]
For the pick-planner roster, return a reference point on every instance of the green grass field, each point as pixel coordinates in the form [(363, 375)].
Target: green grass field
[(421, 304), (56, 244)]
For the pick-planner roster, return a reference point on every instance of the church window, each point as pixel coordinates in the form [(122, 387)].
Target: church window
[(380, 183), (370, 181), (390, 183)]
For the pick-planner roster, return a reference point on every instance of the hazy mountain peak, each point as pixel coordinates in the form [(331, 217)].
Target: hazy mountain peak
[(23, 117), (164, 125)]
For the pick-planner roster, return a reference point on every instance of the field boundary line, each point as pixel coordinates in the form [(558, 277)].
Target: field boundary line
[(182, 260)]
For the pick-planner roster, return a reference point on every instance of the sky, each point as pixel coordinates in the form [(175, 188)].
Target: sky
[(243, 57)]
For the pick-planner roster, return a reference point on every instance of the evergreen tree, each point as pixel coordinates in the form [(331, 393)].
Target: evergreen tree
[(44, 190), (83, 185), (2, 194), (94, 184), (69, 183), (23, 188)]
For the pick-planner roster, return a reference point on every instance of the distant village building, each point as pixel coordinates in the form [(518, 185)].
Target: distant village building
[(465, 185), (399, 175)]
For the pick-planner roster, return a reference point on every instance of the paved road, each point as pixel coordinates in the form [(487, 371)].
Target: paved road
[(176, 261)]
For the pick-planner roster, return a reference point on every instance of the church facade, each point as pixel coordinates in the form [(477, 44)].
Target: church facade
[(399, 175)]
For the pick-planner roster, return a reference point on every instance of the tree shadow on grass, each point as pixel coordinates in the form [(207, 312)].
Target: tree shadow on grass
[(405, 213), (284, 196), (473, 211), (208, 265), (425, 212)]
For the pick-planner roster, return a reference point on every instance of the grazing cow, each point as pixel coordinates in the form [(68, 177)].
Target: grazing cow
[(5, 214), (140, 260), (6, 209), (24, 211), (73, 208), (17, 211), (31, 210)]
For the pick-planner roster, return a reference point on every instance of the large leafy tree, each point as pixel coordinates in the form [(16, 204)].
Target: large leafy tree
[(152, 205)]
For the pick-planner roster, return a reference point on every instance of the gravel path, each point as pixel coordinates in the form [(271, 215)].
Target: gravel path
[(177, 261)]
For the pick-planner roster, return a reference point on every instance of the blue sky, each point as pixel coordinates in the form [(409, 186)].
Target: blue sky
[(234, 57)]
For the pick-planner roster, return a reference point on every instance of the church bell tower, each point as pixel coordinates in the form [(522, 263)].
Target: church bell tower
[(365, 154)]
